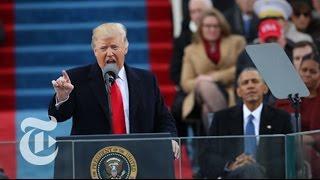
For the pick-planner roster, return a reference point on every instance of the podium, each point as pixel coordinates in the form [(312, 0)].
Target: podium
[(114, 156)]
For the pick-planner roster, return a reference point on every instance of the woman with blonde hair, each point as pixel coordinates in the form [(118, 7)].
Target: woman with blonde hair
[(208, 69)]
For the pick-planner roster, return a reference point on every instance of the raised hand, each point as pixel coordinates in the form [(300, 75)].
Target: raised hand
[(63, 87)]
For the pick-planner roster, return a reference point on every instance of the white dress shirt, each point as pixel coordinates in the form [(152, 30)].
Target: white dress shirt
[(122, 83), (257, 117), (246, 17)]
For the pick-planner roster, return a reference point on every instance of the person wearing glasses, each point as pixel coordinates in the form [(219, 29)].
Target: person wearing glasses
[(304, 21), (208, 68)]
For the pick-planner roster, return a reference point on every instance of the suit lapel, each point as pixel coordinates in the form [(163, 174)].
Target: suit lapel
[(98, 88), (238, 20), (134, 95), (236, 129), (265, 123), (236, 123)]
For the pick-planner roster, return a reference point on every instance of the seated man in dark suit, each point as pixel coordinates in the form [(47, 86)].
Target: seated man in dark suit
[(254, 157), (135, 104)]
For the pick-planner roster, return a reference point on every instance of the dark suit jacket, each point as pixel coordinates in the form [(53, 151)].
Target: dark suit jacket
[(88, 103), (234, 17), (229, 122), (177, 56)]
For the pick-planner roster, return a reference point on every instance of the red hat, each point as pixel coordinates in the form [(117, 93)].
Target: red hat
[(269, 28)]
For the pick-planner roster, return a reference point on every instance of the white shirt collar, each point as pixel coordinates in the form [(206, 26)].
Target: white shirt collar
[(193, 26), (246, 17), (256, 114), (122, 73)]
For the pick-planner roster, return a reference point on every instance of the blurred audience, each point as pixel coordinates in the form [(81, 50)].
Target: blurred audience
[(300, 50), (242, 19), (302, 15), (207, 58), (309, 71), (209, 66), (316, 9), (196, 10), (223, 6), (280, 10), (185, 12), (303, 20)]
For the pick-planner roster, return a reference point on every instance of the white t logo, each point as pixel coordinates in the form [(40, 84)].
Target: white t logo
[(269, 27), (25, 150)]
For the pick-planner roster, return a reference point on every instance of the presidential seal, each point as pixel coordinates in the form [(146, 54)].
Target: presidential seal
[(113, 162)]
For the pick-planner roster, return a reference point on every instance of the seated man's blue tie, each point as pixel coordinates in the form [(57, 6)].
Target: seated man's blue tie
[(250, 142)]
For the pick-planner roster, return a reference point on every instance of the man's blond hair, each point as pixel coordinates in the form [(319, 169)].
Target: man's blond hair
[(109, 30)]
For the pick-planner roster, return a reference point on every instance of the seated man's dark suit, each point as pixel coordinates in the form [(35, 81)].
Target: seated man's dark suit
[(270, 152), (88, 103)]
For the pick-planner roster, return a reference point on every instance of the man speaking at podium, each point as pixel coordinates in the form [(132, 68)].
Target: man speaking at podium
[(94, 93)]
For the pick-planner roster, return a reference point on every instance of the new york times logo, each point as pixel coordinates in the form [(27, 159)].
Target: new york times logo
[(38, 140)]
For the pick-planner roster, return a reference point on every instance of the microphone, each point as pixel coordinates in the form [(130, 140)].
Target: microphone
[(110, 73)]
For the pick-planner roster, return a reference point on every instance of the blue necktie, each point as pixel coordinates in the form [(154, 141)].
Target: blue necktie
[(250, 142), (246, 27)]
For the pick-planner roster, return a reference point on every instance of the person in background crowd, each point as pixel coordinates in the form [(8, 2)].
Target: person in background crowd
[(303, 20), (280, 10), (238, 158), (309, 71), (209, 66), (183, 7), (316, 9), (269, 30), (300, 50), (242, 19), (196, 10)]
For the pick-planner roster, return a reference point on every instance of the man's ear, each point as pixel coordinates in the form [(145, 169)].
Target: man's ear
[(95, 52), (238, 92), (125, 50), (266, 89)]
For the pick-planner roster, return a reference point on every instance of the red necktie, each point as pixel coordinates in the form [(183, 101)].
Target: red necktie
[(118, 119)]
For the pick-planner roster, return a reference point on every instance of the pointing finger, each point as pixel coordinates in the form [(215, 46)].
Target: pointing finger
[(66, 76), (54, 83), (59, 82)]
